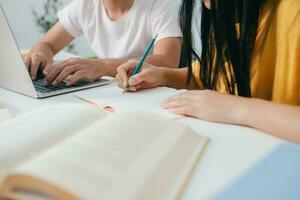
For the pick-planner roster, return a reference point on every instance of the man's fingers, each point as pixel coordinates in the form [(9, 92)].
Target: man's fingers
[(65, 73), (76, 77), (28, 62), (56, 69), (53, 73), (68, 62), (62, 64), (36, 62), (57, 65), (47, 68)]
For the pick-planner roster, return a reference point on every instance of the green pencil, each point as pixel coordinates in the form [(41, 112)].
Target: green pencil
[(141, 62)]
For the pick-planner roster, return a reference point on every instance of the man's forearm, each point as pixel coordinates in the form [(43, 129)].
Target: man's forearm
[(43, 49)]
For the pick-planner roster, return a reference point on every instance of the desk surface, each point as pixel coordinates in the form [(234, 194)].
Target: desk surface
[(275, 178), (232, 150)]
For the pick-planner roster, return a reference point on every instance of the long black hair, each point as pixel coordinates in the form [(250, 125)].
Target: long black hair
[(228, 34)]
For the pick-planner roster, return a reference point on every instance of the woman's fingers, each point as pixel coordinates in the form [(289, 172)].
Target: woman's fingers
[(137, 79), (183, 110), (146, 76), (125, 70), (120, 81), (122, 76), (185, 103), (178, 100), (205, 104), (140, 86), (175, 103), (182, 107), (192, 95)]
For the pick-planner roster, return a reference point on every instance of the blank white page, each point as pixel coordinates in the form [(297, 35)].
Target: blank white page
[(146, 100)]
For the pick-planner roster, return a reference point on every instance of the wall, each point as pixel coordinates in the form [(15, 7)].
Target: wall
[(20, 17)]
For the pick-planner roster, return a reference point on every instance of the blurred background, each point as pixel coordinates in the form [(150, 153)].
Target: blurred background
[(30, 19)]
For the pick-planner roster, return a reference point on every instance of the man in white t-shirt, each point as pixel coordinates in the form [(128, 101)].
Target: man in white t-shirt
[(117, 30)]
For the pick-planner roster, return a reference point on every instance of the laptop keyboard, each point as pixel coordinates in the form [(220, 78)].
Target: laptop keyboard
[(41, 87)]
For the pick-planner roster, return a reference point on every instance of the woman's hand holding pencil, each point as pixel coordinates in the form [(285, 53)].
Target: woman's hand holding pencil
[(137, 68), (149, 76)]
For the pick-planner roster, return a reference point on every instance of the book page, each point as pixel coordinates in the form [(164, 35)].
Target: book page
[(24, 137), (115, 158), (147, 100)]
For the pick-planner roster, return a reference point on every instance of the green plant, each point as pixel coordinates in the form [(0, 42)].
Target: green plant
[(48, 18)]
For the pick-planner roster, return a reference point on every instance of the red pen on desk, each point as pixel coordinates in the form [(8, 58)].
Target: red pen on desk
[(106, 108)]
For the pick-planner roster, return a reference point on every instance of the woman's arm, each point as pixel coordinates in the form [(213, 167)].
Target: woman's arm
[(280, 120), (176, 78), (277, 119), (151, 76)]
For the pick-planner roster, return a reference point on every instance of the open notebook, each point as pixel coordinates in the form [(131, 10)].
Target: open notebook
[(146, 100), (79, 152), (4, 113)]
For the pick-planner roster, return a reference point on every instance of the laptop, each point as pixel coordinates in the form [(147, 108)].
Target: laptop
[(14, 75)]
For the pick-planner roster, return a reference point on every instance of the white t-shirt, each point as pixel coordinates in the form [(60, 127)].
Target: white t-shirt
[(127, 37)]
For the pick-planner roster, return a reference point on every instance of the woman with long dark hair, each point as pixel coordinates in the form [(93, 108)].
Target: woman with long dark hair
[(249, 69)]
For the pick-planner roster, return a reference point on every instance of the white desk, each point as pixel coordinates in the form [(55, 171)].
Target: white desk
[(232, 150)]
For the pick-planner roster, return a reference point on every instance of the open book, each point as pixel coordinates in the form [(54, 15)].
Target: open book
[(80, 152)]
